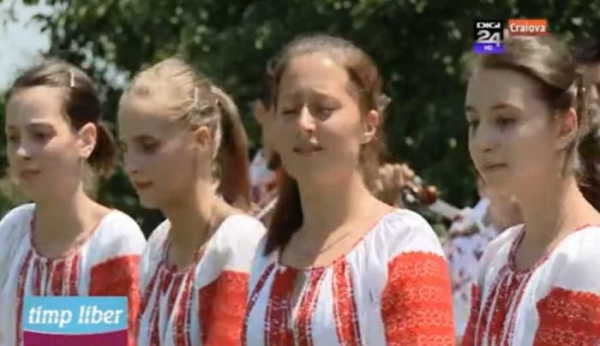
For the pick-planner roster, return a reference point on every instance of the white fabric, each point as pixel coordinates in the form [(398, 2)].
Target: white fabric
[(572, 266), (397, 233), (116, 235), (230, 249)]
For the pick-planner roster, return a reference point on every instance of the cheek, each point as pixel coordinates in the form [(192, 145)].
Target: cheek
[(341, 134), (60, 154)]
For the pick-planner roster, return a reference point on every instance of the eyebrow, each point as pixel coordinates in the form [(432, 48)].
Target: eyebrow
[(295, 95), (32, 125), (499, 106)]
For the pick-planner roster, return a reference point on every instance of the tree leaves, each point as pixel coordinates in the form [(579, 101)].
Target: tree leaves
[(420, 46)]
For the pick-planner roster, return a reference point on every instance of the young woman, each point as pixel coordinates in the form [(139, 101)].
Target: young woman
[(64, 243), (174, 128), (339, 267), (531, 136)]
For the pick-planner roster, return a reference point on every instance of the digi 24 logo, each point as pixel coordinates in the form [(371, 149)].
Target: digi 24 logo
[(489, 36)]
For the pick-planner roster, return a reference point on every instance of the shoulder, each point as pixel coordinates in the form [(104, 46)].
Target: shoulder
[(18, 214), (240, 230), (237, 240), (405, 231), (500, 245), (576, 259), (118, 234), (496, 255)]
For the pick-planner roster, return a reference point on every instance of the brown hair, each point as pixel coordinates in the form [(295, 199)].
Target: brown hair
[(547, 61), (365, 83), (193, 98), (81, 105), (233, 156)]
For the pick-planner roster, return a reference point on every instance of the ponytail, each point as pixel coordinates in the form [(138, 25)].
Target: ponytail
[(587, 162), (232, 157), (103, 156), (287, 217), (588, 148)]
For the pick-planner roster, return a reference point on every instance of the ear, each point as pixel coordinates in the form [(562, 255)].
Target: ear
[(259, 111), (566, 129), (370, 126), (88, 135), (202, 137)]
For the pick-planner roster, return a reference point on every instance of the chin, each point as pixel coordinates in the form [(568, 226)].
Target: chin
[(150, 203)]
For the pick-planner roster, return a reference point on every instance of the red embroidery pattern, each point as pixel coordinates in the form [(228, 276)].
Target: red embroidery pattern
[(253, 298), (73, 274), (417, 303), (57, 276), (20, 296), (499, 307), (183, 317), (303, 322), (37, 277), (568, 318), (278, 329), (344, 306), (147, 294), (222, 309), (119, 276), (470, 330)]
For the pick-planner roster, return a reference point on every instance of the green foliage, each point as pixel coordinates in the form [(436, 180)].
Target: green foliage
[(420, 46)]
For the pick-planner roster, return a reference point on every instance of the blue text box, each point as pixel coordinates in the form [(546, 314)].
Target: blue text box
[(74, 315)]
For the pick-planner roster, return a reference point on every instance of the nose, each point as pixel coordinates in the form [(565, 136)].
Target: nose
[(24, 150), (483, 138), (131, 164), (306, 121)]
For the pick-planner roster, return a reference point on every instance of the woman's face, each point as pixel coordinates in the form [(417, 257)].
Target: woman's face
[(318, 128), (513, 140), (44, 152), (159, 152)]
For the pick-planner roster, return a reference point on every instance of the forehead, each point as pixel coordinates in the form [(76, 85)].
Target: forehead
[(490, 87), (36, 104), (316, 72), (146, 116)]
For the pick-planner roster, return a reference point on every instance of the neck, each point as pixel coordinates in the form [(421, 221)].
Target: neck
[(63, 217), (191, 219), (550, 212), (327, 206)]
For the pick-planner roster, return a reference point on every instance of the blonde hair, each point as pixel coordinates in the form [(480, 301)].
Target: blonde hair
[(191, 97)]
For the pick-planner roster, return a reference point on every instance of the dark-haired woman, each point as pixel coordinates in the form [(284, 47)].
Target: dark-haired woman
[(531, 135), (64, 243), (339, 267)]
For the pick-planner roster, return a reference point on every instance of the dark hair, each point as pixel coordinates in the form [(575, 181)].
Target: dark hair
[(587, 52), (547, 61), (365, 81), (197, 101), (589, 145), (81, 105)]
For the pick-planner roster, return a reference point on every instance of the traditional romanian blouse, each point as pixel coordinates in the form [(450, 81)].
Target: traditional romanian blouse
[(106, 264), (464, 246), (555, 302), (392, 288), (205, 303)]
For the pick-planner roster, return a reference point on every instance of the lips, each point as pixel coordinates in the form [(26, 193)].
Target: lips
[(493, 167), (307, 150), (28, 173), (142, 185)]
